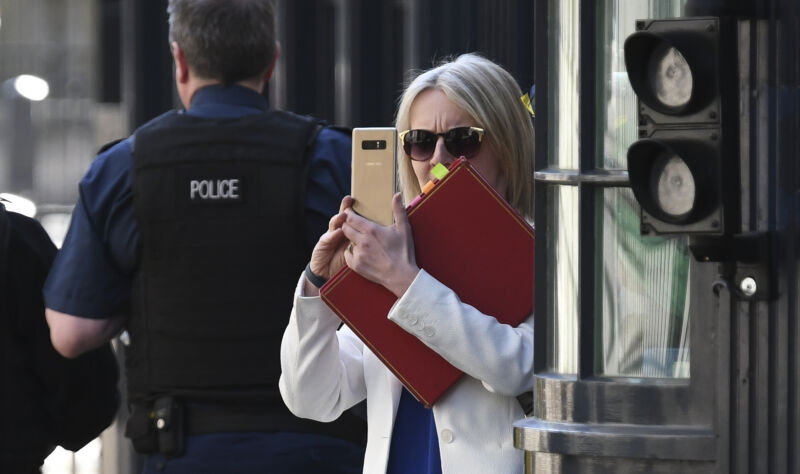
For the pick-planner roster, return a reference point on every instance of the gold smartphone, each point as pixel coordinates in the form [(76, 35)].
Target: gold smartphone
[(374, 164)]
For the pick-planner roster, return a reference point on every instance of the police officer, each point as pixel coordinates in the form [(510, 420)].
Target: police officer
[(189, 234)]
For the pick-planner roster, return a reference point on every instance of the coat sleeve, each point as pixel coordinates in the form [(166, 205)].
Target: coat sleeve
[(322, 371), (499, 355)]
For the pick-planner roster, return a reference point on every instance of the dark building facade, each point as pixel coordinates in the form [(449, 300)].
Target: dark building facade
[(345, 61)]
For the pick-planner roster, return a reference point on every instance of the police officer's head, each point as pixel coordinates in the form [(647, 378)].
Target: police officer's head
[(225, 40)]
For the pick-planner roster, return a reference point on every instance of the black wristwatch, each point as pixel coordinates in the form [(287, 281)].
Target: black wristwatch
[(313, 278)]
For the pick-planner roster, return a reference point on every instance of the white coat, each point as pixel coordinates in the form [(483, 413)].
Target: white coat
[(325, 372)]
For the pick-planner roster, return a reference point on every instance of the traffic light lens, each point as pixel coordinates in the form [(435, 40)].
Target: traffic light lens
[(674, 186), (670, 76)]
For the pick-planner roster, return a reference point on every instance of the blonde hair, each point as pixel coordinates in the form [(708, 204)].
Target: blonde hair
[(491, 97)]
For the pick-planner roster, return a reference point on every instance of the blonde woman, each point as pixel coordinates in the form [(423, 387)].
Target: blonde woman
[(466, 107)]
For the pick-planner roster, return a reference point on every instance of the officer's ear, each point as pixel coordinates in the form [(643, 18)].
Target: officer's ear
[(271, 68), (181, 67)]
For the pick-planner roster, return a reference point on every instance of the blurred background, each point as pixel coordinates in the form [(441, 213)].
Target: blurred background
[(77, 74)]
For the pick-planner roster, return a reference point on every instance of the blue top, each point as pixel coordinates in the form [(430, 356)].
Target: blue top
[(93, 271), (415, 443)]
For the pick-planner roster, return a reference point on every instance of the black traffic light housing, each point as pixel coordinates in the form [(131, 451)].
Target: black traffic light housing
[(684, 169)]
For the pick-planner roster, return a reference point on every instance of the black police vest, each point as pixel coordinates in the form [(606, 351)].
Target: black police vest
[(220, 207)]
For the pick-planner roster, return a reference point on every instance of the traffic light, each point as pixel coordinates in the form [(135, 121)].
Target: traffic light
[(684, 168)]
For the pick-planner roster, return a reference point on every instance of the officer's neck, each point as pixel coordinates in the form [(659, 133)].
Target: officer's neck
[(187, 90)]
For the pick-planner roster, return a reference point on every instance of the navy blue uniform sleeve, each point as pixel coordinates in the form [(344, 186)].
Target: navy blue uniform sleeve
[(329, 180), (92, 273)]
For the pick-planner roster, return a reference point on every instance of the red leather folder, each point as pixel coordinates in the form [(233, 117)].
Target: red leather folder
[(467, 237)]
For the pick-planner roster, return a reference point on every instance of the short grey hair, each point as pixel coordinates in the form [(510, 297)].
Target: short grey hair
[(491, 97), (227, 40)]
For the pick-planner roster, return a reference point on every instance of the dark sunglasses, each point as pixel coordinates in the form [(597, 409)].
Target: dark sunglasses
[(459, 141)]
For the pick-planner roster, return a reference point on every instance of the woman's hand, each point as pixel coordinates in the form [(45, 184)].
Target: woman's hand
[(381, 254), (328, 254)]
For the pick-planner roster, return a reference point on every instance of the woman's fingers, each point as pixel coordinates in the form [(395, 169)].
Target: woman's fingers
[(332, 222), (347, 202), (350, 232), (400, 215), (381, 254), (337, 219), (356, 228), (325, 251), (332, 238), (361, 224), (328, 255)]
